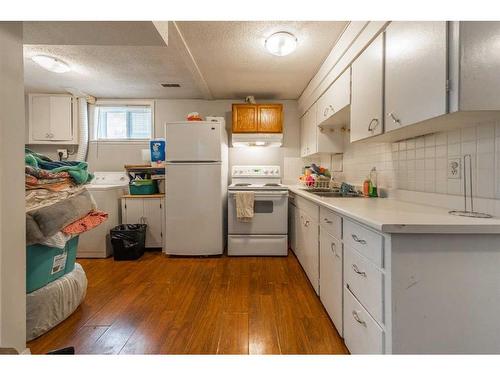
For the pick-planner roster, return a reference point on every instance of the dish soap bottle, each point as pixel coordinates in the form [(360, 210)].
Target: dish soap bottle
[(366, 186), (372, 191)]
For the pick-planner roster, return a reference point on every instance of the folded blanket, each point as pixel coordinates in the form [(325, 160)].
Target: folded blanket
[(42, 173), (92, 220), (47, 221), (39, 198), (53, 184), (76, 169)]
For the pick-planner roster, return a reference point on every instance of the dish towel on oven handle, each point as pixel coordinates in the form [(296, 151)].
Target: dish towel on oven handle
[(244, 205)]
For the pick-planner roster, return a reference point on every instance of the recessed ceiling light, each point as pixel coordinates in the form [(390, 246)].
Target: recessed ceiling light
[(281, 43), (51, 63)]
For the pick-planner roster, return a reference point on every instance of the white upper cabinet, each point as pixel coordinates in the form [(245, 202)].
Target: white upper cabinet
[(332, 104), (51, 119), (367, 92), (415, 72)]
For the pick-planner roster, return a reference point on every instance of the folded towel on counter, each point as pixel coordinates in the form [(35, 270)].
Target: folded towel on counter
[(86, 223), (47, 221), (244, 205)]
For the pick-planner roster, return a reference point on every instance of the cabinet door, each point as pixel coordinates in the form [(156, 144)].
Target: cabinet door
[(245, 118), (270, 118), (40, 118), (304, 141), (312, 131), (330, 273), (61, 118), (153, 209), (367, 92), (415, 72), (291, 226), (133, 211), (337, 97), (310, 251)]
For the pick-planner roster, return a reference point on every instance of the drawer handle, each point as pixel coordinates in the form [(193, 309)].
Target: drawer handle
[(306, 223), (357, 239), (325, 112), (327, 221), (356, 269), (333, 246), (331, 107), (357, 318), (374, 121)]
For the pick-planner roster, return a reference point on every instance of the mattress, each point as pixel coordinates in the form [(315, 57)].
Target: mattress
[(50, 305)]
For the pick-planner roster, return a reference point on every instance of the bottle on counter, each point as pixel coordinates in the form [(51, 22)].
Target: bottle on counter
[(366, 186), (372, 191)]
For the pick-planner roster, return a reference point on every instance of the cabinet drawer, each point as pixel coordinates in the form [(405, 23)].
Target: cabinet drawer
[(365, 281), (367, 242), (308, 207), (331, 222), (362, 335)]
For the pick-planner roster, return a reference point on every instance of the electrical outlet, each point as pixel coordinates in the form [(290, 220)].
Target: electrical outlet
[(454, 168), (63, 153)]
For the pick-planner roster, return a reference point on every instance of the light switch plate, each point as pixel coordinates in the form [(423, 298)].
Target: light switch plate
[(454, 168)]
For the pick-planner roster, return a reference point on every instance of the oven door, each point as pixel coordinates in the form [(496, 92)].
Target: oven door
[(270, 214)]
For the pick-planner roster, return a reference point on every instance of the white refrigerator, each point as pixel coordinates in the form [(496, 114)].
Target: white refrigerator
[(196, 187)]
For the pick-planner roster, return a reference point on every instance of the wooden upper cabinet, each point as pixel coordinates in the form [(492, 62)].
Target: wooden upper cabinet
[(257, 118), (270, 118)]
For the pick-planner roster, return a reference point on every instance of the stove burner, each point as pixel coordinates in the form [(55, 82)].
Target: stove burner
[(242, 184), (272, 184)]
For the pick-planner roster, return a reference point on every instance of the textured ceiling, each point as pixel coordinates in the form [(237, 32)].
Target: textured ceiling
[(209, 59), (108, 60), (234, 62)]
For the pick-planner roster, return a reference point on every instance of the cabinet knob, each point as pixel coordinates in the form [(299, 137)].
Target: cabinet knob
[(358, 240), (373, 124), (325, 112), (327, 221)]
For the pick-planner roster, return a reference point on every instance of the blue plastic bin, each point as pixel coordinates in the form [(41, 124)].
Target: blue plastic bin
[(44, 263)]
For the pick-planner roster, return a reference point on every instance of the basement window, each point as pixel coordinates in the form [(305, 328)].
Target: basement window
[(123, 122)]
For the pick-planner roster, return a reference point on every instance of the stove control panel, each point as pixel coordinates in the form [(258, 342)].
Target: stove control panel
[(256, 171)]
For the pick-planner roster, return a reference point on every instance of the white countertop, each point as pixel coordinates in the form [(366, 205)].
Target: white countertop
[(395, 216)]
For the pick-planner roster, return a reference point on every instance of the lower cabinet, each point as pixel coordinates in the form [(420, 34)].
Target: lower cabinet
[(330, 277), (149, 211), (307, 244)]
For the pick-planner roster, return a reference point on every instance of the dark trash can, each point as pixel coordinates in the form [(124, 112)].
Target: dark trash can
[(128, 241)]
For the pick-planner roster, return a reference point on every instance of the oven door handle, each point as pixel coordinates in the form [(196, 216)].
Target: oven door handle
[(259, 194)]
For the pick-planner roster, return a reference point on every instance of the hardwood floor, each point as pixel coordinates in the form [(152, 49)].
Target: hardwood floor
[(170, 305)]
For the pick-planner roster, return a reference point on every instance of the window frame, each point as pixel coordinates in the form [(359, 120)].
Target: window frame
[(121, 103)]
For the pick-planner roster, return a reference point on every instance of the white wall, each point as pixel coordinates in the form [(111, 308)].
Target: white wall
[(112, 156), (12, 212)]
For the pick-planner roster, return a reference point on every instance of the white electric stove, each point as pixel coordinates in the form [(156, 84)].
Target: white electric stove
[(266, 234)]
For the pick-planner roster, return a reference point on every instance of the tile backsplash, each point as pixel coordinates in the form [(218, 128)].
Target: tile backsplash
[(421, 164)]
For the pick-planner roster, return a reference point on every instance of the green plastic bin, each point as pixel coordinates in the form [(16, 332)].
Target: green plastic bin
[(143, 187), (45, 264)]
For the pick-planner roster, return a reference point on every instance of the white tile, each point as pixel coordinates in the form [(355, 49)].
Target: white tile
[(485, 131), (419, 180), (395, 147), (469, 134), (430, 164), (410, 165), (441, 138), (410, 144), (430, 140), (497, 129), (402, 146), (419, 142), (486, 184), (468, 147), (430, 152), (403, 165), (442, 164), (410, 154), (454, 187), (441, 151), (454, 149), (395, 155), (486, 145), (430, 181), (402, 155), (420, 164), (487, 162), (420, 153), (454, 137)]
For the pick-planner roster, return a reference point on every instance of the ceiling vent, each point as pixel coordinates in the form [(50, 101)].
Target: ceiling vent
[(170, 85)]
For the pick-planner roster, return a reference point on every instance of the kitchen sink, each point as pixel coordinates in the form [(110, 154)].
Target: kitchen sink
[(333, 194)]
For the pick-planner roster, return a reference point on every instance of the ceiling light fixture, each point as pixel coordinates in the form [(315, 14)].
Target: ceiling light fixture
[(51, 63), (281, 43)]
